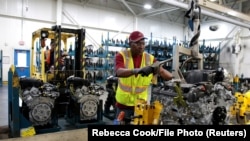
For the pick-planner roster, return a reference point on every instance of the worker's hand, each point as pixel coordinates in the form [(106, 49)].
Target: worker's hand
[(136, 70), (145, 71), (156, 67)]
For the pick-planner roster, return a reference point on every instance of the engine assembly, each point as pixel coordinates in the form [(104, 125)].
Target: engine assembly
[(85, 101), (38, 100), (194, 104)]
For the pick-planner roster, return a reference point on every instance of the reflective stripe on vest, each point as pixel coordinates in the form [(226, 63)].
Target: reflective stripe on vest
[(133, 87), (129, 88)]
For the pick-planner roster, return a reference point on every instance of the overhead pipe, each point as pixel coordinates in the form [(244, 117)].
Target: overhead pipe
[(208, 13), (155, 10), (52, 22), (165, 11), (131, 3)]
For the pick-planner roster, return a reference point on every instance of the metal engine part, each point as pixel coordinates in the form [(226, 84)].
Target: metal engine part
[(40, 102), (89, 106), (207, 104), (87, 96), (41, 110)]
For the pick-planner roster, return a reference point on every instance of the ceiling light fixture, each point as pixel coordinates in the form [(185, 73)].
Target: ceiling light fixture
[(147, 6)]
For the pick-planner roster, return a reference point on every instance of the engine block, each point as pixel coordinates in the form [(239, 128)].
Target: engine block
[(205, 104), (85, 97), (39, 98)]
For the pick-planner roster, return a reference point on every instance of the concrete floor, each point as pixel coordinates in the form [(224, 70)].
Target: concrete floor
[(4, 105), (65, 126)]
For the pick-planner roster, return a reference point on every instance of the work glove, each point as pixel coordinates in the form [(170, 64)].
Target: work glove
[(136, 70), (145, 71), (156, 67)]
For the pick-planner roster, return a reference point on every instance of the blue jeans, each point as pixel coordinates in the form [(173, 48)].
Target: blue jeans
[(128, 114)]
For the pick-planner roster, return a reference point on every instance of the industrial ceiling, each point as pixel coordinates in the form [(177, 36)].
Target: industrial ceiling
[(174, 10)]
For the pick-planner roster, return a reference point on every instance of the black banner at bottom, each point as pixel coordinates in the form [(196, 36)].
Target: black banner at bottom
[(194, 132)]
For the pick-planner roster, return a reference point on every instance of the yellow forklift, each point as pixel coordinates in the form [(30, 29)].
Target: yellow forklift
[(62, 92), (61, 37), (73, 63), (43, 96)]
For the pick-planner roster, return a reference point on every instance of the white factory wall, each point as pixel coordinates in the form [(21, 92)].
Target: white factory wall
[(225, 37), (19, 20)]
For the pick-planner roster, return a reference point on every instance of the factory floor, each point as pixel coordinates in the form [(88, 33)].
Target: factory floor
[(4, 105), (67, 131)]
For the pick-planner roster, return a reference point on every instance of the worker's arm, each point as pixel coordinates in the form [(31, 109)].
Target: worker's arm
[(120, 69), (122, 72), (165, 74)]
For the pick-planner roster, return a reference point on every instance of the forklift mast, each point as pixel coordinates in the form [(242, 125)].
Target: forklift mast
[(59, 35), (79, 47)]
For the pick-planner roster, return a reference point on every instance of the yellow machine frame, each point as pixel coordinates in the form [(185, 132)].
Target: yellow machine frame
[(241, 108), (39, 71), (147, 114), (60, 35)]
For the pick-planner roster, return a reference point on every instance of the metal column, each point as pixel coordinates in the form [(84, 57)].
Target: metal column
[(1, 67)]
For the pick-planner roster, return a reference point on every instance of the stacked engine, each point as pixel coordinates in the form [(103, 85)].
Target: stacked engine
[(38, 100), (84, 98)]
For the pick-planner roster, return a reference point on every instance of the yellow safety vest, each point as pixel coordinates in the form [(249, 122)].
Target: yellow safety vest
[(132, 88)]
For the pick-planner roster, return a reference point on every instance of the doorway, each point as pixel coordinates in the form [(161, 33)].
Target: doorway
[(22, 62)]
